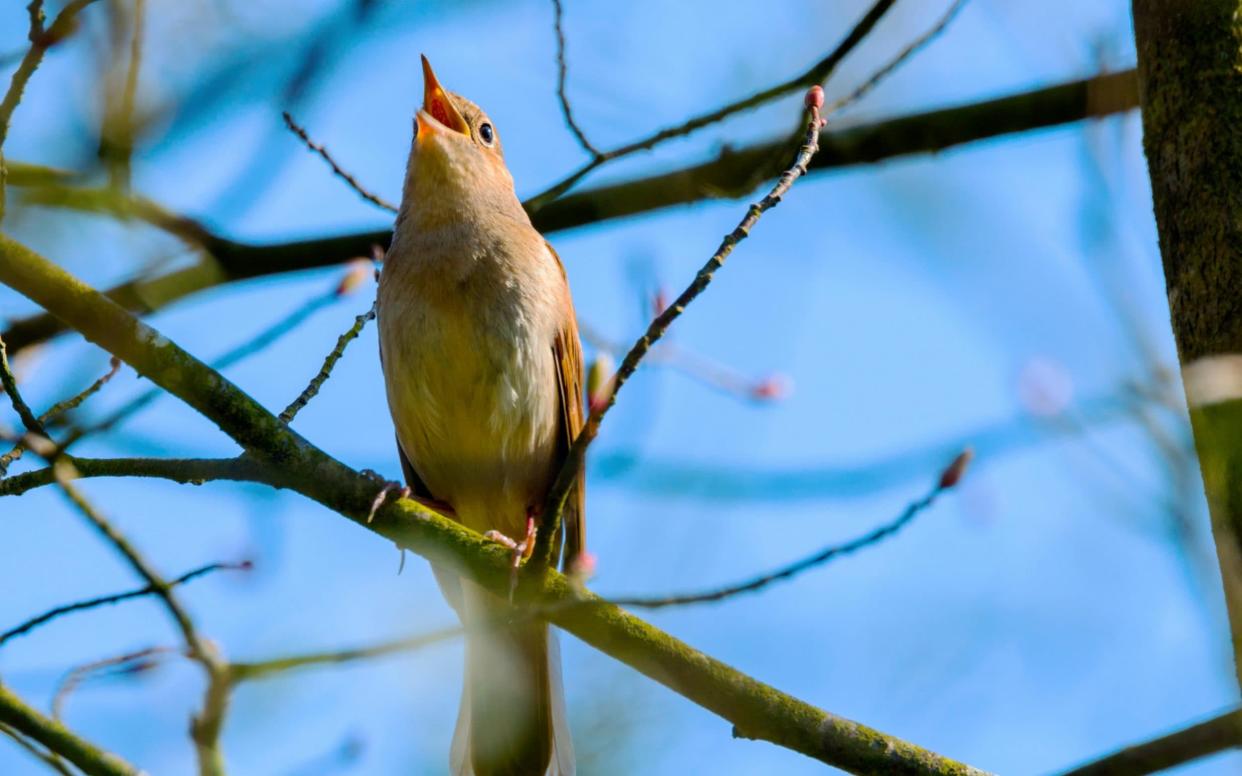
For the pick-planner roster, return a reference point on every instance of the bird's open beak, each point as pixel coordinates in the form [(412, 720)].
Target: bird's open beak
[(438, 106)]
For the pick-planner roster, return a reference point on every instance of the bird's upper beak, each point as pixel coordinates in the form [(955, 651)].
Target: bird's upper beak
[(437, 109)]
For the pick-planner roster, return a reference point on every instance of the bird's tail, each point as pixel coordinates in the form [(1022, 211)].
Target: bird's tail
[(512, 720)]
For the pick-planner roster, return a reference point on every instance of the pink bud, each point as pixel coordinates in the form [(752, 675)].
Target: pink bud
[(771, 388), (659, 303), (815, 97), (354, 276), (953, 474), (582, 567), (599, 381)]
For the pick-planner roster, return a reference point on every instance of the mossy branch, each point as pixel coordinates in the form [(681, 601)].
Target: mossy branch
[(57, 738), (756, 710)]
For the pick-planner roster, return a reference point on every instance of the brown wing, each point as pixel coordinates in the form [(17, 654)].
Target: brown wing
[(568, 351)]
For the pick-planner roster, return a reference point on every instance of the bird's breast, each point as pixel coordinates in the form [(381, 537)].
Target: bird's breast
[(471, 380)]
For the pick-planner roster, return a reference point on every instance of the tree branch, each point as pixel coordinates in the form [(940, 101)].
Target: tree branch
[(756, 710), (52, 761), (736, 172), (57, 738), (115, 598), (561, 73), (187, 471), (814, 75), (337, 170), (731, 174), (575, 458), (1215, 735), (263, 669), (206, 724), (40, 41), (819, 558)]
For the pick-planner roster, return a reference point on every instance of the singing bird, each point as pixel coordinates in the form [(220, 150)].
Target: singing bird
[(483, 370)]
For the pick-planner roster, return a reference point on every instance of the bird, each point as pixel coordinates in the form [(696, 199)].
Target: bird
[(483, 373)]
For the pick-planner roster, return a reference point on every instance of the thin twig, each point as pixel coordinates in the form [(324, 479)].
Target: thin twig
[(159, 586), (116, 598), (57, 410), (242, 351), (561, 72), (816, 74), (339, 171), (120, 157), (143, 659), (902, 56), (576, 456), (241, 672), (8, 381), (45, 756), (187, 471), (879, 534), (206, 724), (325, 371), (40, 40)]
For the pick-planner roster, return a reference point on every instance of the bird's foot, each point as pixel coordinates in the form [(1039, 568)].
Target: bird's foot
[(403, 491), (521, 551), (382, 496)]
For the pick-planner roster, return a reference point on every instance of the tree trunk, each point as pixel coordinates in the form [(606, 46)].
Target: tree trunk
[(1190, 92)]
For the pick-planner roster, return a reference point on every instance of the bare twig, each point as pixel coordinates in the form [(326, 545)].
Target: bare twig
[(575, 458), (561, 72), (1217, 734), (57, 410), (902, 56), (325, 371), (126, 664), (188, 471), (242, 672), (40, 41), (339, 171), (242, 351), (205, 726), (948, 479), (8, 381), (816, 74), (121, 204), (159, 586), (117, 140), (115, 598)]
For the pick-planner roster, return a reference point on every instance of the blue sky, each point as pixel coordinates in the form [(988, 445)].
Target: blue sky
[(1054, 608)]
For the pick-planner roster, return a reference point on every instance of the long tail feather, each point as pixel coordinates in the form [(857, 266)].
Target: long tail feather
[(512, 720)]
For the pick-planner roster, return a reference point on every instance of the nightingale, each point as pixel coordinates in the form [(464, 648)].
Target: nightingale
[(483, 372)]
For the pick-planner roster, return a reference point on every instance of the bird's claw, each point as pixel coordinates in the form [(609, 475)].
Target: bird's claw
[(521, 551), (402, 492)]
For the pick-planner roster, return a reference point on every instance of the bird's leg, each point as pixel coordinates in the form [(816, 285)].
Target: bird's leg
[(521, 551), (403, 491)]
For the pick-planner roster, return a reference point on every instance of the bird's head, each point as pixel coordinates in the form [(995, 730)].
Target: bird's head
[(456, 161)]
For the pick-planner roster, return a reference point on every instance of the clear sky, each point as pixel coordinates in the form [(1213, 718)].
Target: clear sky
[(1008, 294)]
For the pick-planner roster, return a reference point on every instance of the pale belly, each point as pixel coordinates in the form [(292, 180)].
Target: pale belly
[(475, 404)]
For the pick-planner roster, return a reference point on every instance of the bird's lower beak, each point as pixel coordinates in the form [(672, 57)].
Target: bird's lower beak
[(438, 106)]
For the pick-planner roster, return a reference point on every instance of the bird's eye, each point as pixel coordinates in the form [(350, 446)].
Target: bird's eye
[(487, 134)]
